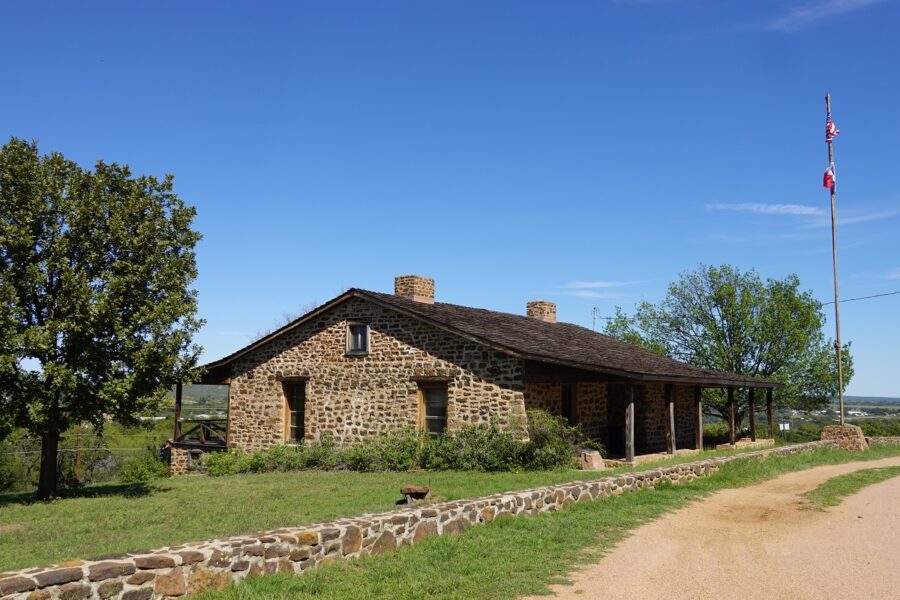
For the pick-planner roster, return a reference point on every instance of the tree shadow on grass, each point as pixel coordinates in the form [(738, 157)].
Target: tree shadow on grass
[(123, 490)]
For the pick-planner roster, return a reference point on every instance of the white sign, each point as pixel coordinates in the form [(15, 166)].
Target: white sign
[(784, 426)]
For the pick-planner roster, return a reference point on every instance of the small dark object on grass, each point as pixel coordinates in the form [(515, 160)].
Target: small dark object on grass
[(415, 493)]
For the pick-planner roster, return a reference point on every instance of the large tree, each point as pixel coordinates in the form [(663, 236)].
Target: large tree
[(724, 319), (96, 269)]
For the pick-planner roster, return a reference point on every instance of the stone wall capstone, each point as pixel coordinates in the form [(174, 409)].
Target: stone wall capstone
[(195, 567)]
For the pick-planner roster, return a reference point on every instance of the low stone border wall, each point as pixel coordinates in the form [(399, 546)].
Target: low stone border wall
[(883, 439), (214, 564)]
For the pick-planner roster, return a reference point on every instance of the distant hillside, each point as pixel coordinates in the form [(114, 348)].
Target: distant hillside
[(870, 400)]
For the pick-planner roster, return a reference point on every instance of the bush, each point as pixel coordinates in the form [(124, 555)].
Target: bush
[(144, 468), (394, 451), (552, 442), (551, 445), (715, 433), (880, 427), (218, 464), (474, 448)]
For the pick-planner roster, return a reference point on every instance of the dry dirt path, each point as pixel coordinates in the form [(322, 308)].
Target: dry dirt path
[(757, 542)]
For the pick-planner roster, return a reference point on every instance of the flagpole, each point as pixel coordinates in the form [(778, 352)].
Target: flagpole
[(837, 304)]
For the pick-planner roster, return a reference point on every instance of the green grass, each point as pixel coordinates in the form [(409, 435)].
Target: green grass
[(110, 518), (833, 491), (515, 556)]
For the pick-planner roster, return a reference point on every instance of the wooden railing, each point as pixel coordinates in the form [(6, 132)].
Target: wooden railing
[(204, 432)]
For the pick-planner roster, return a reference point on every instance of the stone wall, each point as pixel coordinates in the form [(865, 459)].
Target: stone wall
[(544, 396), (685, 417), (847, 437), (195, 567), (352, 397), (179, 461), (590, 400), (650, 417), (883, 439)]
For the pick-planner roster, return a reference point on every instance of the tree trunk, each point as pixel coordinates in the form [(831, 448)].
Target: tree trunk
[(47, 482)]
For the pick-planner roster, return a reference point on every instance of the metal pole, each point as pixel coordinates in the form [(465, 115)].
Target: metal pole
[(837, 304)]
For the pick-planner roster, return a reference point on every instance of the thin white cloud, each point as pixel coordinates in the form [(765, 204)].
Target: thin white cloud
[(592, 294), (595, 285), (853, 219), (762, 208), (811, 217), (801, 16), (894, 273)]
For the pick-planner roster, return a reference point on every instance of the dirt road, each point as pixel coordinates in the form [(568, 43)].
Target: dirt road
[(757, 542)]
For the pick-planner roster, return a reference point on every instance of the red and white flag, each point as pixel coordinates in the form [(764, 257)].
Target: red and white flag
[(828, 179), (831, 129)]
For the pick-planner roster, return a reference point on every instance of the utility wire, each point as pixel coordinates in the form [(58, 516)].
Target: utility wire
[(864, 297)]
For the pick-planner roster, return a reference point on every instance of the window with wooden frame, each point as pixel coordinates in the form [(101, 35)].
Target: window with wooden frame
[(357, 339), (295, 411), (433, 408)]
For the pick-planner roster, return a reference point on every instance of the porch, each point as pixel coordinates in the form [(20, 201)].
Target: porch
[(635, 417)]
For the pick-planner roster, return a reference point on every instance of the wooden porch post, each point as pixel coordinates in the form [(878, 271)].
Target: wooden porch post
[(698, 435), (731, 424), (177, 411), (752, 414), (769, 416), (629, 420), (670, 418)]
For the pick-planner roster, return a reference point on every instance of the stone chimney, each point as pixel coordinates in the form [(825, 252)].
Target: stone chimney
[(414, 287), (543, 310)]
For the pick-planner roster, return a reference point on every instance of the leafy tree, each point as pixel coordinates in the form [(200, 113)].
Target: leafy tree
[(98, 313), (724, 319)]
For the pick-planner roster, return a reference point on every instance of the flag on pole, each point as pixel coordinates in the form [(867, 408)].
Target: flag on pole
[(831, 129), (828, 179)]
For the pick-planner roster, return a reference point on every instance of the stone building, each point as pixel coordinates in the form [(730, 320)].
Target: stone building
[(368, 362)]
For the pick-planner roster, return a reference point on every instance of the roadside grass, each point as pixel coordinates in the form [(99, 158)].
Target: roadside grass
[(108, 518), (517, 556), (833, 491)]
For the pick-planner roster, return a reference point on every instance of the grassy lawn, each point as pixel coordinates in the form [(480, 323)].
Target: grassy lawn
[(111, 518), (833, 491), (516, 556)]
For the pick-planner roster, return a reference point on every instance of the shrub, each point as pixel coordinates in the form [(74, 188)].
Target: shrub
[(222, 463), (552, 442), (715, 433), (144, 468), (320, 454), (393, 451), (880, 427), (551, 445), (473, 448)]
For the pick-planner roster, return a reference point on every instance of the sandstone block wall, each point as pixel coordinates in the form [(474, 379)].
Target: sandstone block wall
[(353, 397), (650, 418), (883, 439), (179, 461), (847, 437), (685, 417), (174, 571)]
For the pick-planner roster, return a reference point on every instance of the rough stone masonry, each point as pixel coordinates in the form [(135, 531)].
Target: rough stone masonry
[(191, 568)]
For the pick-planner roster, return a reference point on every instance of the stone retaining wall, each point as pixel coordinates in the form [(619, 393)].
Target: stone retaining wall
[(194, 567), (883, 439)]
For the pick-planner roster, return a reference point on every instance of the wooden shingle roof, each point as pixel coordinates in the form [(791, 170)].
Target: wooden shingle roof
[(529, 338)]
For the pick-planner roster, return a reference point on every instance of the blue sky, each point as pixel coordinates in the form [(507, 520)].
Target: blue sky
[(580, 152)]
